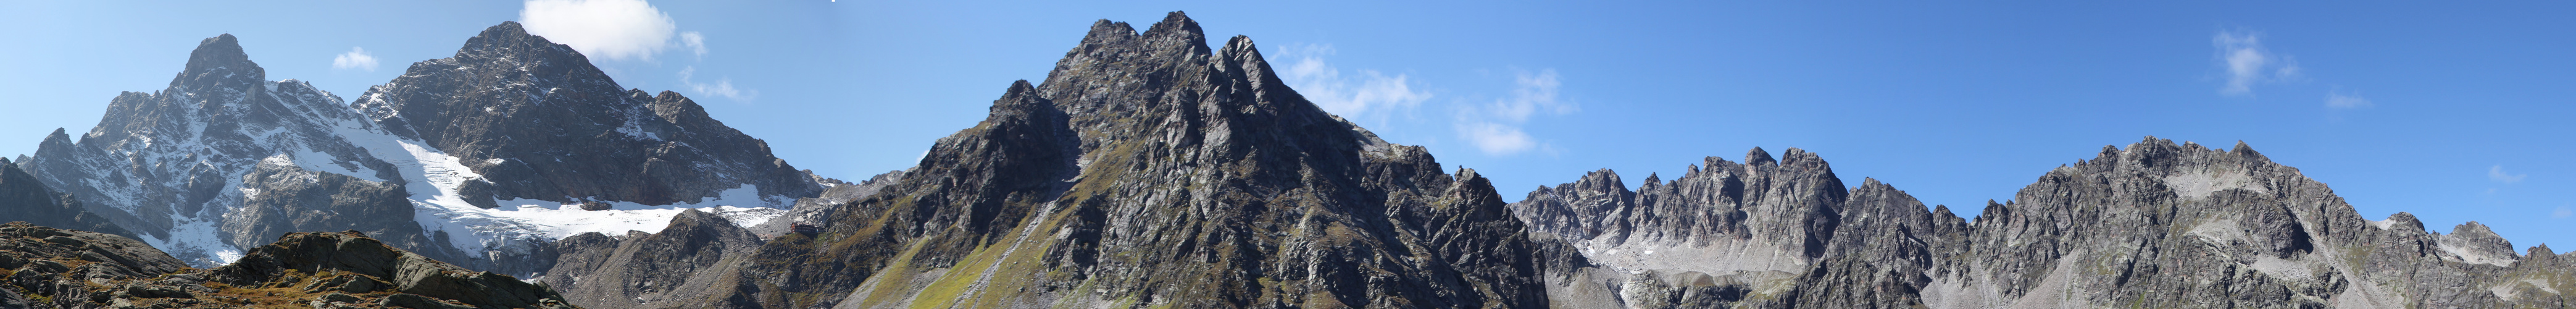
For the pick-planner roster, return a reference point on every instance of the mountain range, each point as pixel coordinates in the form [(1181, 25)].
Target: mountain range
[(1148, 169)]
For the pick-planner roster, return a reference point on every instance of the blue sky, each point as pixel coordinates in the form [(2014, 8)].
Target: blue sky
[(2451, 111)]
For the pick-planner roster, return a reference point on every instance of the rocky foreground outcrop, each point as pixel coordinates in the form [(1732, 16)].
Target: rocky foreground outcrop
[(56, 268), (2151, 225)]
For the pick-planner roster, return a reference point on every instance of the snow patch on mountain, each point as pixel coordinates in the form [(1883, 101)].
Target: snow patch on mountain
[(197, 236), (433, 177)]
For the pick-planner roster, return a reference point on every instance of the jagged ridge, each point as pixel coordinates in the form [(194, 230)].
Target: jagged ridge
[(1150, 169), (2153, 225)]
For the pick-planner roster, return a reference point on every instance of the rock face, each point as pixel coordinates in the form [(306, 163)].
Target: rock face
[(172, 165), (349, 262), (52, 268), (818, 211), (2154, 225), (482, 159), (23, 198), (1150, 170), (509, 104), (650, 269)]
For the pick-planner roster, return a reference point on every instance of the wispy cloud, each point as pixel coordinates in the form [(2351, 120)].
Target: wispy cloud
[(2497, 173), (2242, 54), (356, 58), (603, 29), (2340, 99), (2562, 212), (696, 42), (1495, 127), (723, 87), (1366, 93), (1495, 138)]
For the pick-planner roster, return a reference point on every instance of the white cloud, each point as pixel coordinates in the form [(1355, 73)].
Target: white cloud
[(2497, 173), (2242, 54), (1534, 93), (2562, 212), (609, 29), (1366, 94), (2338, 99), (1495, 128), (723, 87), (356, 58), (695, 42), (1496, 139)]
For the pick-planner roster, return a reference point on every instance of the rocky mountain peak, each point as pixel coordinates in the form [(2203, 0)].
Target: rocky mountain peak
[(1153, 142), (2146, 225), (510, 42), (2474, 243), (220, 117), (1175, 27), (2403, 221), (2248, 152), (219, 62), (509, 104), (1759, 157)]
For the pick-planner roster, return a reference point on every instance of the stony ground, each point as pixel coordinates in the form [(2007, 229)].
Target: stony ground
[(56, 268)]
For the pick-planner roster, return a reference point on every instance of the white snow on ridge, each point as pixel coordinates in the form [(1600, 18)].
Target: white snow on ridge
[(323, 162), (433, 178), (2471, 256)]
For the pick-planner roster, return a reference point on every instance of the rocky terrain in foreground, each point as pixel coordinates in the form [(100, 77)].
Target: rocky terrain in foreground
[(55, 268)]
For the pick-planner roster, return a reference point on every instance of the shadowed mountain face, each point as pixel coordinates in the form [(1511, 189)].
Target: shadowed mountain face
[(23, 198), (2154, 225)]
